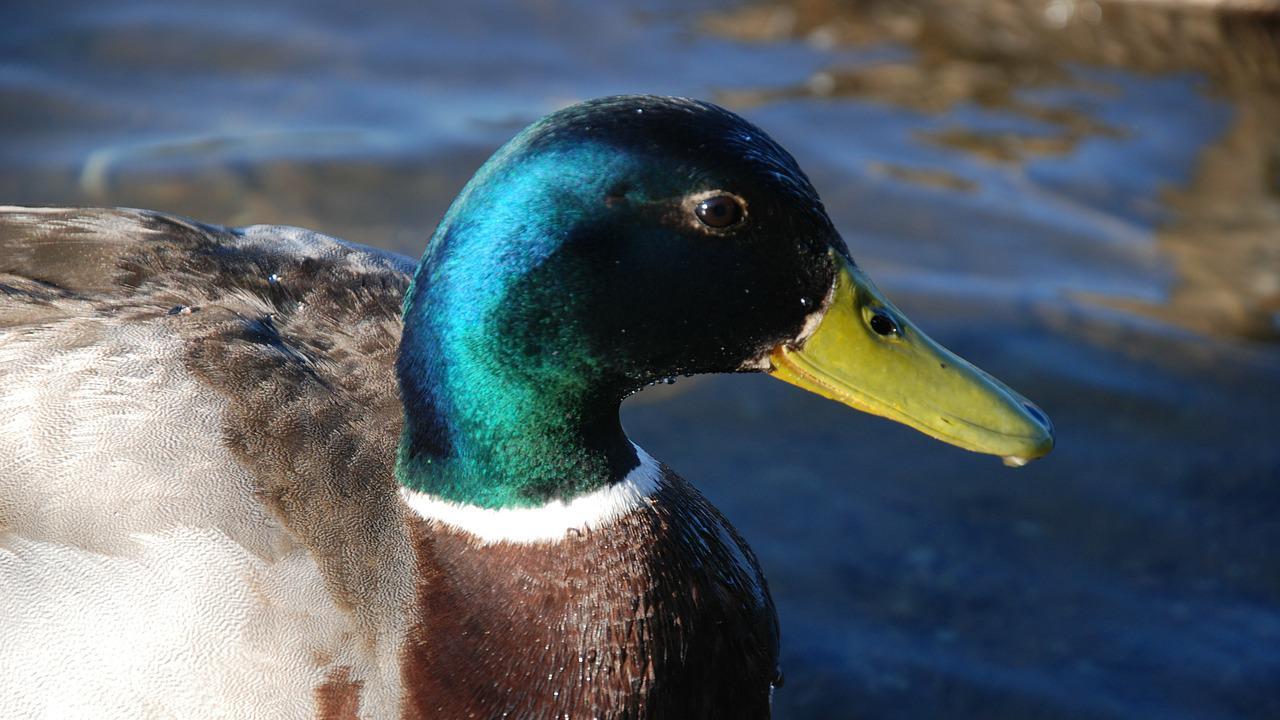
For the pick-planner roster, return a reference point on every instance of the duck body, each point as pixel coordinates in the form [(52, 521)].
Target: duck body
[(169, 545), (227, 539), (262, 472)]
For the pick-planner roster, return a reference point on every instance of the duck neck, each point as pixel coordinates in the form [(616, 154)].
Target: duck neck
[(507, 402), (490, 423)]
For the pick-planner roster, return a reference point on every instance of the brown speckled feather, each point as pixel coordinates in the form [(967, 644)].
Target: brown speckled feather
[(237, 385), (298, 330)]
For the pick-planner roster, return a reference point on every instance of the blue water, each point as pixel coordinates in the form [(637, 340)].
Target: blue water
[(1102, 234)]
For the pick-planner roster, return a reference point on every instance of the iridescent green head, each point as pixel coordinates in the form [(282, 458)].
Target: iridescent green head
[(609, 245)]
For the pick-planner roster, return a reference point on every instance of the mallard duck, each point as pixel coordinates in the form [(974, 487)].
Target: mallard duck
[(264, 473)]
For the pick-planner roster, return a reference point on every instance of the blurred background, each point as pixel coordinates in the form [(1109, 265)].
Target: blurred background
[(1081, 197)]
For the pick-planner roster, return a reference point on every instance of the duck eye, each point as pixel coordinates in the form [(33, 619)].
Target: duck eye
[(882, 324), (719, 211)]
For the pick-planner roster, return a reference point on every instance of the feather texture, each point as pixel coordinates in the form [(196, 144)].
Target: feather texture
[(196, 431)]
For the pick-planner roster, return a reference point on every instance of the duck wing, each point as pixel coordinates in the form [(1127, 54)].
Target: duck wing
[(197, 434)]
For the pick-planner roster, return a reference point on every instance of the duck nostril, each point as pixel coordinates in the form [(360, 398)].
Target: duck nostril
[(882, 324)]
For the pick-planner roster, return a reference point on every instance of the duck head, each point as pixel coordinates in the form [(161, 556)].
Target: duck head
[(629, 239)]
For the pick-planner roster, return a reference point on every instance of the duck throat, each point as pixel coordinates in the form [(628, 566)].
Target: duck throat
[(493, 424), (510, 449)]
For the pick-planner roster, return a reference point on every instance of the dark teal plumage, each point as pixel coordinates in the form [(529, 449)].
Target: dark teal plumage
[(570, 273)]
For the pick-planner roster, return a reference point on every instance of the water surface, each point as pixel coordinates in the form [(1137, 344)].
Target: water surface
[(1082, 198)]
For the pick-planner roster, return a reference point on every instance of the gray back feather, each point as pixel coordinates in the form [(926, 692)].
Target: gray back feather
[(291, 334)]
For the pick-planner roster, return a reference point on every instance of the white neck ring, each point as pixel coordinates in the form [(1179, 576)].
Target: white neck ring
[(549, 523)]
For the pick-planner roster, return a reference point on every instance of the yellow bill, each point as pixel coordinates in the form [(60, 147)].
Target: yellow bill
[(866, 354)]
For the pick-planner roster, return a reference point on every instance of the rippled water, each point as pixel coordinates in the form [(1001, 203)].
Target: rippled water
[(1082, 198)]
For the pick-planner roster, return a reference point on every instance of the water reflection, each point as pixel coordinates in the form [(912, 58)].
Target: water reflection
[(1023, 58)]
